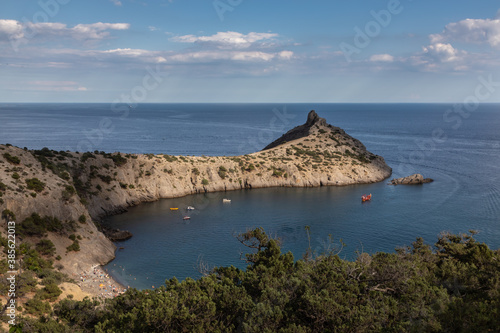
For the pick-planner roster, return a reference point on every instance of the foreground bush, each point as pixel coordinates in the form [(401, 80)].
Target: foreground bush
[(455, 288)]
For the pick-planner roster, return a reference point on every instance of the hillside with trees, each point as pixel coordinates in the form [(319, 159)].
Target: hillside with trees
[(453, 287)]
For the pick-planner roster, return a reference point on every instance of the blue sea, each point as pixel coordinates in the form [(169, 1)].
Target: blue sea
[(459, 149)]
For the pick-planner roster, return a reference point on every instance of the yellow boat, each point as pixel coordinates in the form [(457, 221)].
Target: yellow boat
[(174, 208)]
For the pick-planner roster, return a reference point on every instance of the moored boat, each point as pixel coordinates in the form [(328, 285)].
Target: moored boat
[(226, 200), (186, 218), (190, 208), (365, 197), (174, 208)]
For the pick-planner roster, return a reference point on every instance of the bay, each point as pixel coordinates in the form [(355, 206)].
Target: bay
[(461, 153)]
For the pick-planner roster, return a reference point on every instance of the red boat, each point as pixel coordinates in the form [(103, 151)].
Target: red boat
[(366, 197)]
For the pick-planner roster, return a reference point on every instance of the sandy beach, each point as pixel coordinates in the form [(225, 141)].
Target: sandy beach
[(97, 282)]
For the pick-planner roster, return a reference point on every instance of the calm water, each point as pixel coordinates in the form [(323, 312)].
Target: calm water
[(465, 165)]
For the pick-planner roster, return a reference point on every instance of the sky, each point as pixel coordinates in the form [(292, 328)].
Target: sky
[(162, 51)]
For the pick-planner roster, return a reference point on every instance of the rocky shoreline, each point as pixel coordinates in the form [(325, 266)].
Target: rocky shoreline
[(117, 235)]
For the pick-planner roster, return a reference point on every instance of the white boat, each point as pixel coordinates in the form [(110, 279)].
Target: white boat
[(190, 208), (186, 218), (226, 200)]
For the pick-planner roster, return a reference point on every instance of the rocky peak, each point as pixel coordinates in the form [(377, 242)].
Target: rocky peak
[(313, 120)]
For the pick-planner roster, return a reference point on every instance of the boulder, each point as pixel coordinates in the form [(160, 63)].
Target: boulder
[(415, 179), (117, 235)]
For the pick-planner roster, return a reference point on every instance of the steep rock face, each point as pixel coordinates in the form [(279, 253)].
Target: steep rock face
[(98, 184), (52, 197)]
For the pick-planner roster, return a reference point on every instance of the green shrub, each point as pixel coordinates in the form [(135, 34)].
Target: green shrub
[(82, 219), (4, 266), (37, 307), (33, 262), (35, 225), (195, 171), (35, 184), (222, 172), (204, 181), (11, 159), (170, 158), (50, 292), (64, 175), (277, 172), (70, 189), (86, 156), (49, 276), (3, 187), (46, 247), (74, 247), (68, 192), (16, 176), (105, 178), (9, 215), (119, 159)]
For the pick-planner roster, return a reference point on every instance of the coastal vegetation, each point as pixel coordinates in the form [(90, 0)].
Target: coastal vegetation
[(11, 159), (35, 184), (453, 287)]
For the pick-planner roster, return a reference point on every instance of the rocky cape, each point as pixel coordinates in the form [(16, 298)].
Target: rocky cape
[(80, 188)]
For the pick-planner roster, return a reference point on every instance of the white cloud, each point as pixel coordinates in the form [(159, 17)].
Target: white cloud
[(221, 54), (228, 39), (116, 2), (475, 31), (382, 58), (244, 56), (444, 52), (286, 54), (10, 29), (128, 52), (96, 30), (15, 30), (139, 54)]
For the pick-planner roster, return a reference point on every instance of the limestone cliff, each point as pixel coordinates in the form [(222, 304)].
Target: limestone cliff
[(69, 185)]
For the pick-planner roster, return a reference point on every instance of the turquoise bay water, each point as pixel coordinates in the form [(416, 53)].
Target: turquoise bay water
[(465, 165)]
